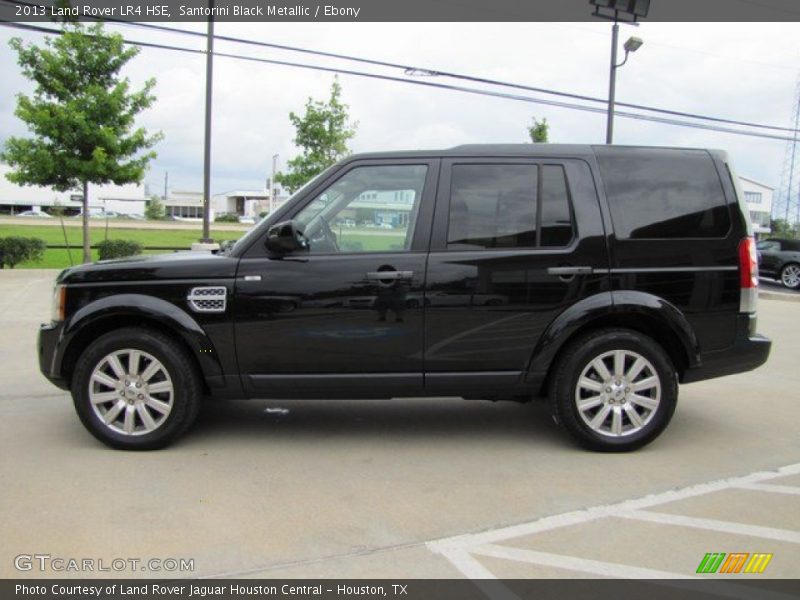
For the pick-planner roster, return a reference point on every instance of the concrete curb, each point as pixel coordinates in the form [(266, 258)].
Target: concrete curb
[(785, 297)]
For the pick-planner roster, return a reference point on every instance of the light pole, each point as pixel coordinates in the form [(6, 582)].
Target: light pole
[(207, 147), (627, 11), (632, 45)]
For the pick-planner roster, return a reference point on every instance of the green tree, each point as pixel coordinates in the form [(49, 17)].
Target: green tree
[(81, 116), (781, 228), (155, 210), (539, 131), (321, 134)]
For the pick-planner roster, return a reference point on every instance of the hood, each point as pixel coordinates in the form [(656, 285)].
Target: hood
[(177, 265)]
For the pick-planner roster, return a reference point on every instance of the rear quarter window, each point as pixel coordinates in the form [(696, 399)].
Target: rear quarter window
[(663, 194)]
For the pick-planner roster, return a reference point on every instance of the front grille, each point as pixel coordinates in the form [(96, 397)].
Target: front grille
[(208, 299)]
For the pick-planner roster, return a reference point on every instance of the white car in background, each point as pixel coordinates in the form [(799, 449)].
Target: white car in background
[(34, 213)]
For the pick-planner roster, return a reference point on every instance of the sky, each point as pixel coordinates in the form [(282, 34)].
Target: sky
[(743, 71)]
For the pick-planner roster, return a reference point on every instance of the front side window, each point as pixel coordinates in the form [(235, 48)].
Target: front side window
[(508, 206), (368, 209)]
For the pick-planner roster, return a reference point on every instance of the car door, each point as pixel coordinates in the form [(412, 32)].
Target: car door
[(344, 318), (516, 241), (769, 256)]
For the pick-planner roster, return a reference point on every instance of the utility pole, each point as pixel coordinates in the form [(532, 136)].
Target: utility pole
[(273, 188), (207, 148), (166, 185)]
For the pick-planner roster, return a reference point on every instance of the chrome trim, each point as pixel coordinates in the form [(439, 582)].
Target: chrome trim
[(665, 270), (208, 299)]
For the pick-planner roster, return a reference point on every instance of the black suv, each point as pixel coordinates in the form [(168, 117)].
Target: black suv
[(596, 276), (780, 259)]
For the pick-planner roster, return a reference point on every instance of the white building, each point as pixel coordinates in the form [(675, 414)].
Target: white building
[(185, 204), (124, 199), (245, 203), (758, 197)]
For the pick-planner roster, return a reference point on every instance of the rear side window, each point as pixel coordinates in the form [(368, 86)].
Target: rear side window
[(658, 194), (508, 206)]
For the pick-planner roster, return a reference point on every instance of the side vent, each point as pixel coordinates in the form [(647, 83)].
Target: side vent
[(208, 299)]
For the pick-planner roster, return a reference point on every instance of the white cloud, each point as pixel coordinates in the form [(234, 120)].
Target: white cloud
[(742, 71)]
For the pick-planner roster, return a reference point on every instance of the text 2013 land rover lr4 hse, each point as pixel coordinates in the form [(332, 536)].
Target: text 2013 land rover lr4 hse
[(598, 277)]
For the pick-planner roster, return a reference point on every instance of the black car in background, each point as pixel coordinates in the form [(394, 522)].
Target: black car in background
[(597, 277), (780, 259)]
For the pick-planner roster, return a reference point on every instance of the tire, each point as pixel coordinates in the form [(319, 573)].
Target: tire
[(578, 377), (790, 276), (146, 411)]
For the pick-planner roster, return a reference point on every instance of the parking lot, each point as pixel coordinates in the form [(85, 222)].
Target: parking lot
[(407, 488)]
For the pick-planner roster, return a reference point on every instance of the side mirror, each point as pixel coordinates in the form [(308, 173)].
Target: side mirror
[(285, 238)]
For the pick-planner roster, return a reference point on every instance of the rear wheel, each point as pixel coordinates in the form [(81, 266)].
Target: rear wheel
[(614, 390), (790, 276), (136, 389)]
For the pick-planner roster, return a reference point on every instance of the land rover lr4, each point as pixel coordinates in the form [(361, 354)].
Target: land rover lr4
[(598, 277)]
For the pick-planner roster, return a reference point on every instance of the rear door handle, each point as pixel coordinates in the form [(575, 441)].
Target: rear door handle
[(373, 275), (567, 271)]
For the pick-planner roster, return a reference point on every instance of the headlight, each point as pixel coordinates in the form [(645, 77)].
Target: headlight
[(59, 297)]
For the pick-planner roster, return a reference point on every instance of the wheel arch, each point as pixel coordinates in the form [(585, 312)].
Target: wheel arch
[(137, 310), (636, 311)]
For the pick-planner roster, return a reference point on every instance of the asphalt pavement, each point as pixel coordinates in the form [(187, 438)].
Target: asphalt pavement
[(403, 488)]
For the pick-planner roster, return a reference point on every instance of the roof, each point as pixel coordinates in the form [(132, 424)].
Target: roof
[(505, 150), (751, 180)]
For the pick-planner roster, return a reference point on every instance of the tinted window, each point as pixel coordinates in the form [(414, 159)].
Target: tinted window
[(656, 193), (556, 221), (790, 246), (495, 206)]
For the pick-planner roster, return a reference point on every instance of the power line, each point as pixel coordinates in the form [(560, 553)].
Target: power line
[(452, 75), (431, 84), (436, 72)]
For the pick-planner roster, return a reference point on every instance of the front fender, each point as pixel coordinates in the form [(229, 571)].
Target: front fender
[(149, 308)]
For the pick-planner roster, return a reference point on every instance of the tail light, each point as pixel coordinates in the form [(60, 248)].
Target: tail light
[(748, 275)]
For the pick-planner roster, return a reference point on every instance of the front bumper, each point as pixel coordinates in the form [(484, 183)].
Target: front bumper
[(748, 351), (49, 336)]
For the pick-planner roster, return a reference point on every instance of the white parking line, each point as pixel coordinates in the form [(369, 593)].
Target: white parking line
[(768, 533), (460, 550), (770, 487), (570, 563)]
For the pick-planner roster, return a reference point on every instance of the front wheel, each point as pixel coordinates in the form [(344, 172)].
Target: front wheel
[(614, 390), (136, 389), (790, 276)]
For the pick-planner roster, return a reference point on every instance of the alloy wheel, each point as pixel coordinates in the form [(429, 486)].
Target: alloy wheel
[(618, 393), (131, 392), (790, 276)]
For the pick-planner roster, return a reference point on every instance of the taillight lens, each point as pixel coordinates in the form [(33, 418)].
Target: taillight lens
[(748, 275)]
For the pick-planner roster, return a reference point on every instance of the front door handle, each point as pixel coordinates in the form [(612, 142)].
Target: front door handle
[(395, 275), (569, 271)]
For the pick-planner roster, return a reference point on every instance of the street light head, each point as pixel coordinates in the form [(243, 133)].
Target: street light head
[(633, 44), (621, 10)]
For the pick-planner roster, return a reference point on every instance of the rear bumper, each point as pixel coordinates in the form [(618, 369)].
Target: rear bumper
[(749, 351), (47, 346)]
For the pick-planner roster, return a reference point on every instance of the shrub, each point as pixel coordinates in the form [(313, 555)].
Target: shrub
[(154, 210), (118, 249), (263, 214), (14, 250), (226, 218)]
